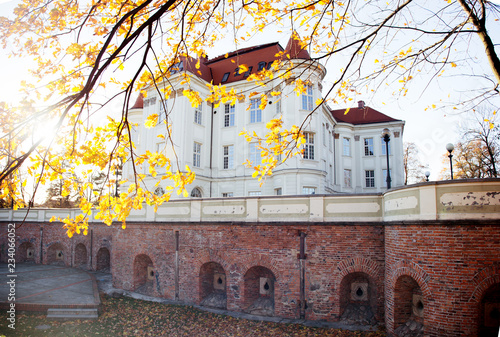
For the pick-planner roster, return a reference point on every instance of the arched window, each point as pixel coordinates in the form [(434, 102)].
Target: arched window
[(196, 193)]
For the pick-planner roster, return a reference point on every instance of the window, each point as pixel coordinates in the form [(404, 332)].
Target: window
[(383, 146), (330, 141), (347, 178), (177, 67), (225, 77), (196, 193), (308, 190), (368, 146), (346, 146), (307, 98), (237, 71), (198, 115), (228, 156), (196, 154), (278, 105), (269, 64), (159, 191), (228, 115), (309, 145), (262, 65), (163, 111), (255, 154), (370, 178), (324, 134), (254, 193), (227, 195), (279, 156), (255, 112), (248, 72), (160, 147), (278, 191)]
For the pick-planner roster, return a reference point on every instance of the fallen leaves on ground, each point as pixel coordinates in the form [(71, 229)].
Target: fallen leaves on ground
[(130, 317)]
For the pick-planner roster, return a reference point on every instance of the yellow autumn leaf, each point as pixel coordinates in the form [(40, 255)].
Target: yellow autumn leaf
[(243, 68), (151, 121)]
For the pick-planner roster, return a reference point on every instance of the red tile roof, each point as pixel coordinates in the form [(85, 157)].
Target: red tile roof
[(251, 57), (139, 102), (361, 115), (224, 67), (295, 50)]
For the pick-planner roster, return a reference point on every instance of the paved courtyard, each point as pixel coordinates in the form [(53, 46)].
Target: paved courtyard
[(39, 287)]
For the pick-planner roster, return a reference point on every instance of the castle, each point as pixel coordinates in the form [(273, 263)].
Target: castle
[(343, 153)]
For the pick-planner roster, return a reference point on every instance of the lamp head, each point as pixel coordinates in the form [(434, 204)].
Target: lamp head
[(450, 147), (386, 134)]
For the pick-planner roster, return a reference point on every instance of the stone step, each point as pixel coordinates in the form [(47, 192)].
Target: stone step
[(70, 314)]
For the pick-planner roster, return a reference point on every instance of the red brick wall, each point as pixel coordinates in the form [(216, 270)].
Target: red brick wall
[(451, 265)]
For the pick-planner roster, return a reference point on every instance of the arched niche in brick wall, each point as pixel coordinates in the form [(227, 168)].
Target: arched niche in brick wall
[(144, 275), (103, 260), (25, 252), (489, 312), (259, 283), (358, 299), (212, 288), (80, 257), (409, 307), (56, 254)]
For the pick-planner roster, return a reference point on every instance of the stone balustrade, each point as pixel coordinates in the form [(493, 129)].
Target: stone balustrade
[(443, 200)]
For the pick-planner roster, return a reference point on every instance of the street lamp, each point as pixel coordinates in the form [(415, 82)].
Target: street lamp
[(450, 148), (386, 135), (427, 174)]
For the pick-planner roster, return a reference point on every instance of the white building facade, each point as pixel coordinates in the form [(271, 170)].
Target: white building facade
[(207, 138)]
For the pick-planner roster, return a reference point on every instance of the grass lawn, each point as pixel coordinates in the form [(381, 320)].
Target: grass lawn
[(130, 317)]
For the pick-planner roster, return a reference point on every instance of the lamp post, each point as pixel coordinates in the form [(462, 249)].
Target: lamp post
[(386, 135), (427, 174), (450, 148)]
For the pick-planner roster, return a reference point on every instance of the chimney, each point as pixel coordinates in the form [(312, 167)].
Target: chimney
[(361, 104), (204, 59)]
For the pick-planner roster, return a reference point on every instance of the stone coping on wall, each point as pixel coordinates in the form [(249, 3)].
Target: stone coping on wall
[(444, 200)]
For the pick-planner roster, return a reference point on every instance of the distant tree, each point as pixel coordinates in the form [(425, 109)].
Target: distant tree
[(63, 191), (56, 198), (413, 168), (483, 131), (468, 161), (99, 180)]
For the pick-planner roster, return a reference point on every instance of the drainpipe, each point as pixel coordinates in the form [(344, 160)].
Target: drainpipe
[(176, 276), (91, 250), (41, 245), (334, 159), (302, 262)]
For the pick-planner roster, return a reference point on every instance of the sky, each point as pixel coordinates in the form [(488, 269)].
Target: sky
[(430, 129)]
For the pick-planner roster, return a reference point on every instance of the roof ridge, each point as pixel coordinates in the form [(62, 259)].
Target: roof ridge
[(242, 51), (369, 116)]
